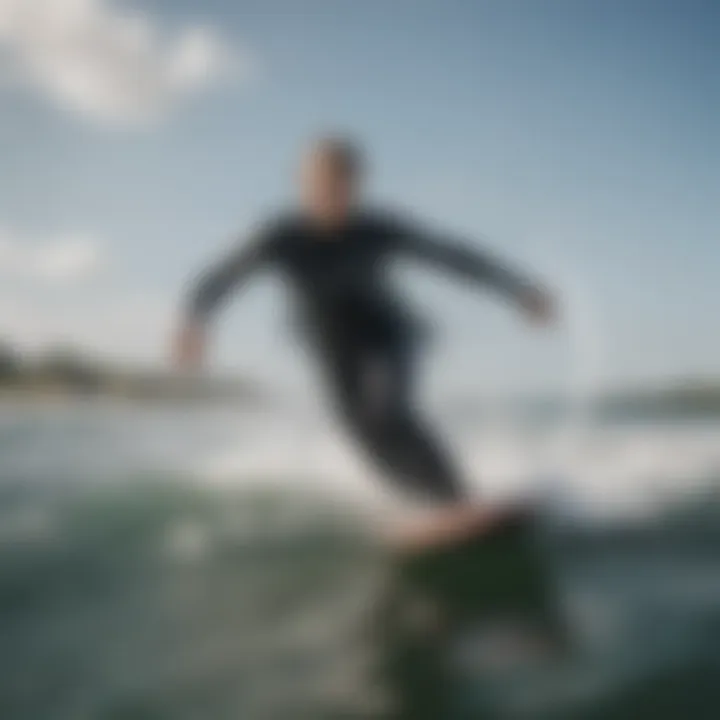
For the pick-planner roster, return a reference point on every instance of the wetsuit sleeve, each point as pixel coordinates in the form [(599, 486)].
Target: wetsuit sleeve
[(216, 283), (460, 258)]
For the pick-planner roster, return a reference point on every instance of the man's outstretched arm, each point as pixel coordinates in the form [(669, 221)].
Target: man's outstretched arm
[(206, 295), (215, 284), (480, 267)]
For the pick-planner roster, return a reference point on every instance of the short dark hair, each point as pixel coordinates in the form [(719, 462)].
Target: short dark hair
[(343, 151)]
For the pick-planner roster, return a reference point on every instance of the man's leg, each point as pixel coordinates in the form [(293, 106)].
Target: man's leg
[(385, 421), (375, 394)]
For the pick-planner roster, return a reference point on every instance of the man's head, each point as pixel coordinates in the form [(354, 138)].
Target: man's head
[(330, 179)]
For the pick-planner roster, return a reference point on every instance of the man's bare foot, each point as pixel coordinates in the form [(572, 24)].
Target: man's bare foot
[(452, 524)]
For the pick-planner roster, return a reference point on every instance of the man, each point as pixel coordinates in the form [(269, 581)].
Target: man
[(334, 253)]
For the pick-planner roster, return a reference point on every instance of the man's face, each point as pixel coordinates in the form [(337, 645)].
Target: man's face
[(328, 189)]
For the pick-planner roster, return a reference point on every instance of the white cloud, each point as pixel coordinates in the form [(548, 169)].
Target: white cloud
[(108, 64), (50, 294), (61, 260)]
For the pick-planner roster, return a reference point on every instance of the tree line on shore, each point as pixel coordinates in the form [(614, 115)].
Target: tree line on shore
[(63, 370)]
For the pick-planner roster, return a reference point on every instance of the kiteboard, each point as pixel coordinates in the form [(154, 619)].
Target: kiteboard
[(478, 600)]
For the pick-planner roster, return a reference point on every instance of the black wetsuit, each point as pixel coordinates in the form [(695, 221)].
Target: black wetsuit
[(364, 337)]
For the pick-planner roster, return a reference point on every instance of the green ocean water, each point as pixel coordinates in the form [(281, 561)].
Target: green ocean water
[(146, 595)]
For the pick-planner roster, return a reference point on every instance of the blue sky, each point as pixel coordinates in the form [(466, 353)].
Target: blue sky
[(576, 137)]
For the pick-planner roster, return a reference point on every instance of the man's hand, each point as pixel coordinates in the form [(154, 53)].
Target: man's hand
[(188, 351), (539, 305)]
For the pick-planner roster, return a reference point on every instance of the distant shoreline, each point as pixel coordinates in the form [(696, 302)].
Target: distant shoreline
[(690, 400), (64, 375), (175, 391)]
